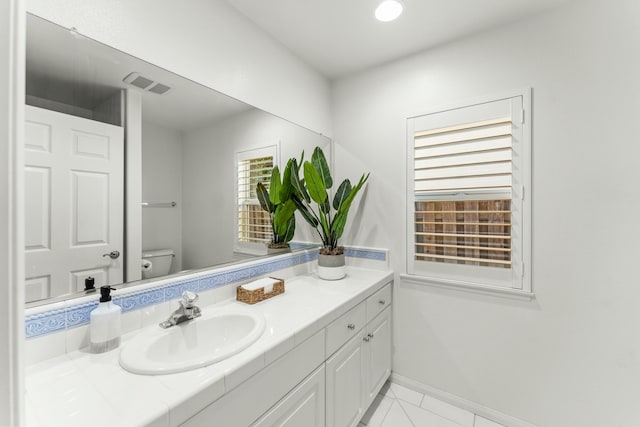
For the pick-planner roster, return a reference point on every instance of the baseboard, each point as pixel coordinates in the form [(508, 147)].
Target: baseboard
[(476, 408)]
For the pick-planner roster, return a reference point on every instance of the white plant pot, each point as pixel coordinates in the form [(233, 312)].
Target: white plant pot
[(331, 267)]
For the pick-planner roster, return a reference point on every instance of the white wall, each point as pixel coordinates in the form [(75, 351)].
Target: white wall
[(571, 357), (208, 187), (162, 182), (12, 89), (207, 41), (133, 184)]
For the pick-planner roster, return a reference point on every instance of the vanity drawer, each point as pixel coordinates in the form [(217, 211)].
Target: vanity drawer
[(378, 301), (345, 327)]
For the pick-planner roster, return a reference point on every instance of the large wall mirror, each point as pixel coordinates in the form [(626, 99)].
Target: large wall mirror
[(134, 172)]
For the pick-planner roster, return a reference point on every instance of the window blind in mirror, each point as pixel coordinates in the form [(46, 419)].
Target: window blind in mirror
[(253, 223)]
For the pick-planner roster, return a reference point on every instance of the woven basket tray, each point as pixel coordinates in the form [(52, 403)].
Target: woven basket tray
[(252, 297)]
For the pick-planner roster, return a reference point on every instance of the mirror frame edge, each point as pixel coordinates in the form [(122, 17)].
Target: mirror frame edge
[(12, 90)]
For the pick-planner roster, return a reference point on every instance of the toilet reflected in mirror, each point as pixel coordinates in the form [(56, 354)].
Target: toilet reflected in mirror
[(156, 263)]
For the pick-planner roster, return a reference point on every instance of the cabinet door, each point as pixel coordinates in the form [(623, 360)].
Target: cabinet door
[(378, 352), (345, 371), (302, 407)]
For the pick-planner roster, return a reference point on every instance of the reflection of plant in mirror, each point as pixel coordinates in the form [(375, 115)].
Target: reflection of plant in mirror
[(277, 202), (328, 222)]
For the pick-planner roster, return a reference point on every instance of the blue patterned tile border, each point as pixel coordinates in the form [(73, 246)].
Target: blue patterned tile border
[(374, 254), (137, 300), (45, 323), (175, 290), (78, 315)]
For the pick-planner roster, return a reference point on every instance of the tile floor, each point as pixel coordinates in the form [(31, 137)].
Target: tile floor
[(398, 406)]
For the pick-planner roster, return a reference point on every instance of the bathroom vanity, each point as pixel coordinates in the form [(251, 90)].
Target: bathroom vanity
[(324, 355)]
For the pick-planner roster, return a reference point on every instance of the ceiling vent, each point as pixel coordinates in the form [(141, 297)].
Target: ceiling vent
[(145, 83)]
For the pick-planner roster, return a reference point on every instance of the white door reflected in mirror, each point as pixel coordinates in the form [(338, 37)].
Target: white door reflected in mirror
[(74, 203)]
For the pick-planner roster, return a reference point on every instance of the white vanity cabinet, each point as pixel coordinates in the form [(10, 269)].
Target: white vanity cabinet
[(325, 353), (378, 354), (328, 380), (359, 346), (358, 370), (345, 388), (304, 406), (275, 388)]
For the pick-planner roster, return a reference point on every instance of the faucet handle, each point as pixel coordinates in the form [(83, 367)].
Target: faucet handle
[(188, 298)]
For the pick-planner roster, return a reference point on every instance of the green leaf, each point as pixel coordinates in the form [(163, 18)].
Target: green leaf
[(320, 164), (283, 213), (285, 190), (326, 206), (286, 230), (263, 198), (274, 186), (305, 212), (337, 227), (314, 184), (325, 230), (346, 204), (339, 221), (297, 185), (343, 191)]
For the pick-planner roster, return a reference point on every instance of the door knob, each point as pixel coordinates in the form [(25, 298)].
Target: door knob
[(112, 255)]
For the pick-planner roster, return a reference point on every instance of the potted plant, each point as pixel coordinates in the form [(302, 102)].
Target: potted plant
[(328, 217), (277, 202)]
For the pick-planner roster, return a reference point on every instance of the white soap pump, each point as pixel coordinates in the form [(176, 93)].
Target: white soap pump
[(105, 325)]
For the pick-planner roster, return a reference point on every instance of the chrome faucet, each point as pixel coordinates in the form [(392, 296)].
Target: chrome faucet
[(186, 311)]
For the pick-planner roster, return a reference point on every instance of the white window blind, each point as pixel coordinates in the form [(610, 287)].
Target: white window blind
[(471, 156), (465, 188), (253, 223)]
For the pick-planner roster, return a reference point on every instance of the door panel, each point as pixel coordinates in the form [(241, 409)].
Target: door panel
[(345, 371), (74, 202), (303, 407), (37, 184), (90, 145), (37, 288), (90, 212), (37, 137), (379, 354)]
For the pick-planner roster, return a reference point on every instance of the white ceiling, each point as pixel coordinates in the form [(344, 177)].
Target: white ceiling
[(338, 37)]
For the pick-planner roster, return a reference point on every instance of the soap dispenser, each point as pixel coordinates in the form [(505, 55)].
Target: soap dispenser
[(105, 323)]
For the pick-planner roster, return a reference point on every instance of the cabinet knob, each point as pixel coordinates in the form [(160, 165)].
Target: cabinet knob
[(351, 326), (366, 339), (382, 302)]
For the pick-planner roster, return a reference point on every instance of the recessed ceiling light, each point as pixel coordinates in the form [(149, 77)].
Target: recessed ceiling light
[(388, 10)]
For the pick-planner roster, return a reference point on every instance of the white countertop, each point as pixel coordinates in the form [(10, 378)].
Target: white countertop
[(84, 389)]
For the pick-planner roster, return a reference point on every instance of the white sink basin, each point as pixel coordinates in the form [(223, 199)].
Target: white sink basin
[(192, 344)]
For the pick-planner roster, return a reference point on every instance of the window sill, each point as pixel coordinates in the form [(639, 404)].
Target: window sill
[(246, 252), (468, 286)]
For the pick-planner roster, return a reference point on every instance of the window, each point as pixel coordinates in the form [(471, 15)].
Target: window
[(467, 216), (253, 225)]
